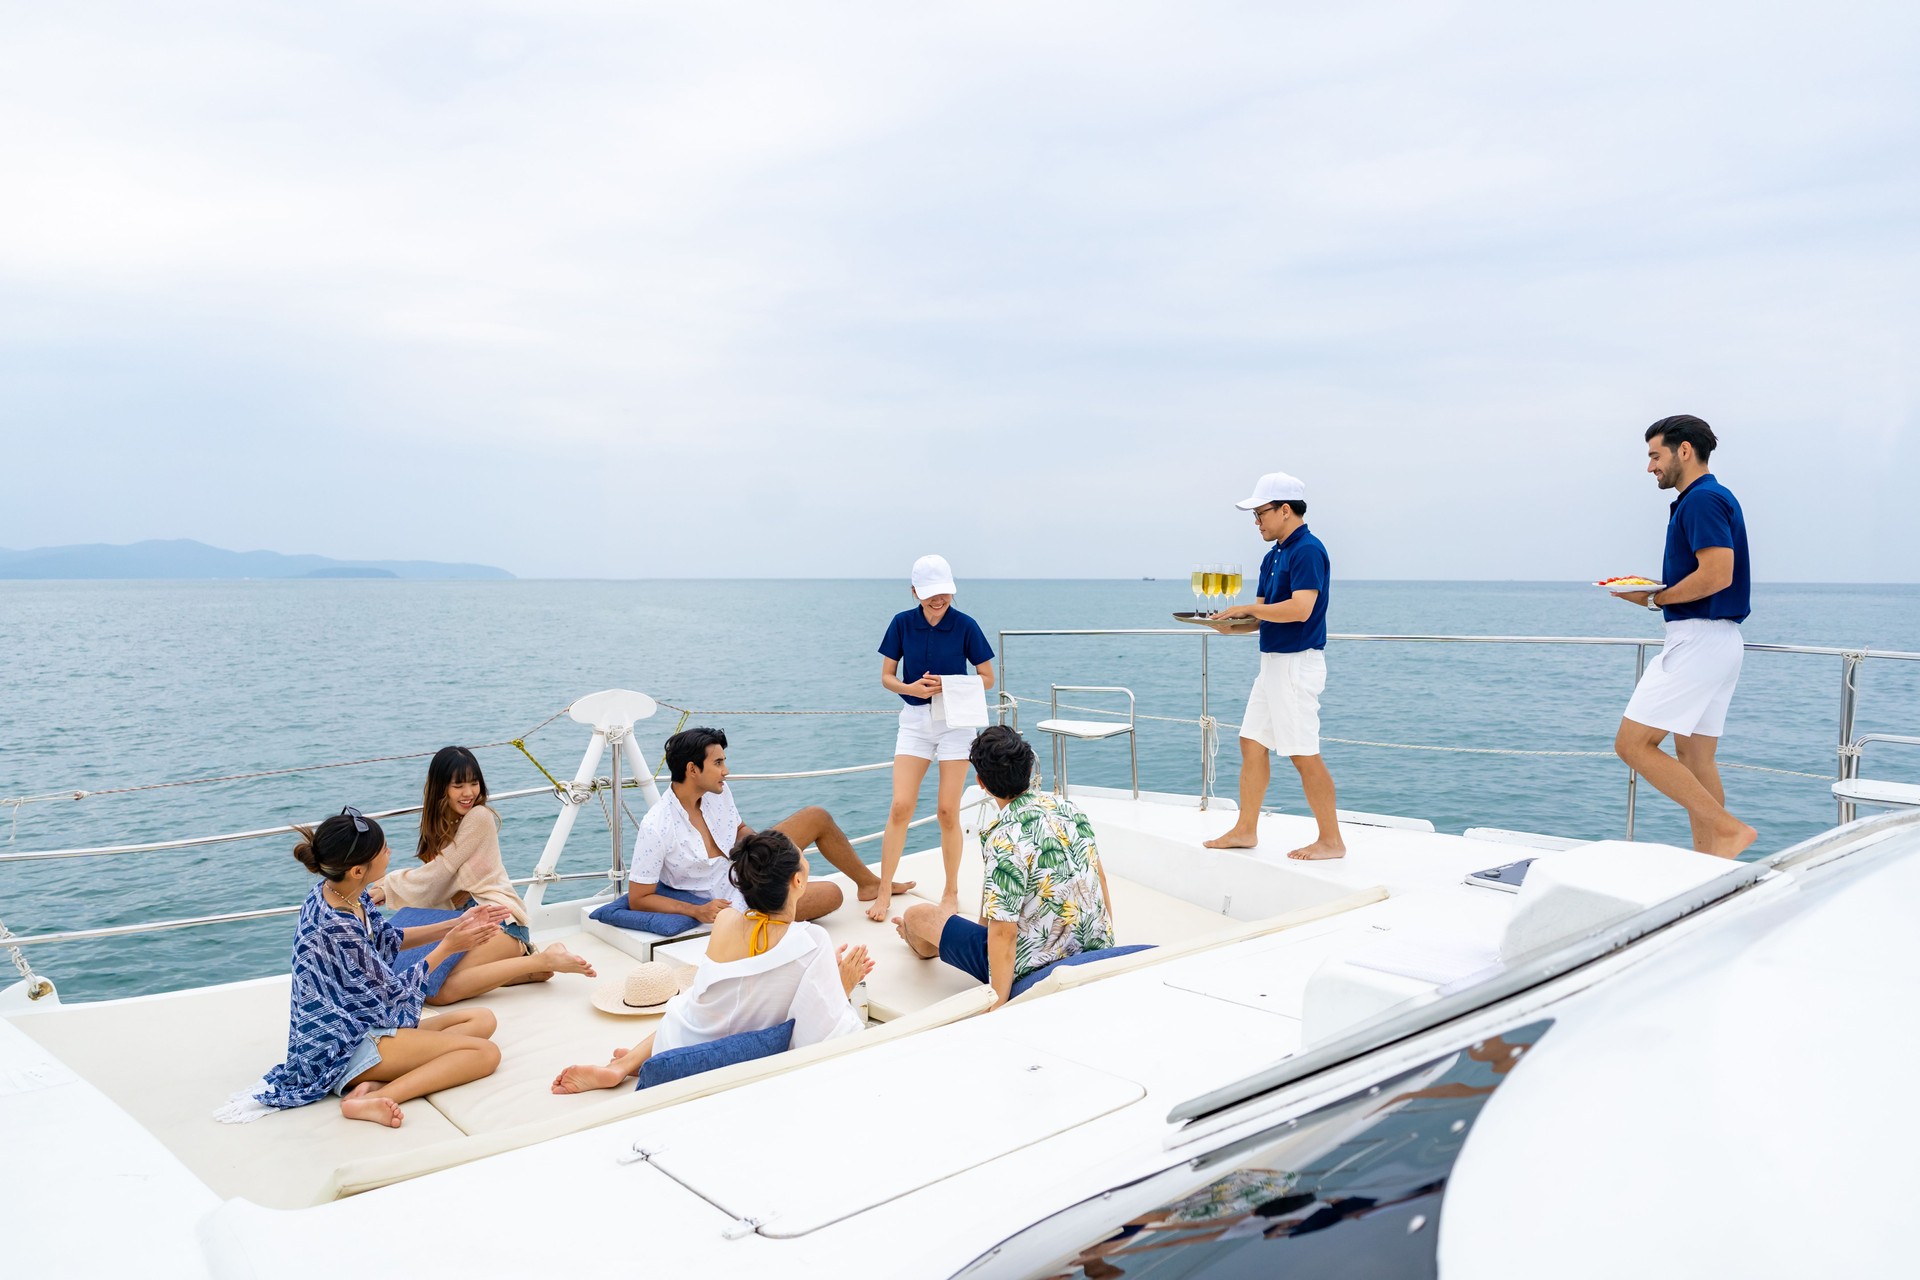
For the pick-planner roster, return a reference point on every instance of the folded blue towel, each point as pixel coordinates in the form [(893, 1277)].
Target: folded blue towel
[(744, 1046), (1085, 957), (664, 923)]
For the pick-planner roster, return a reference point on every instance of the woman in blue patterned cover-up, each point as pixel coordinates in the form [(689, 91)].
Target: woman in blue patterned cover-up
[(354, 1023)]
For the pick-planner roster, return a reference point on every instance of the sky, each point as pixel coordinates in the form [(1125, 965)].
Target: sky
[(618, 289)]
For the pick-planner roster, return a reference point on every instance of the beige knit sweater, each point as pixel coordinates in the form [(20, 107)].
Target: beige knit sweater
[(470, 864)]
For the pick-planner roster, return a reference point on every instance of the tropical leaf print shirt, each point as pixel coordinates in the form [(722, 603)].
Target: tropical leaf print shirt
[(1043, 875)]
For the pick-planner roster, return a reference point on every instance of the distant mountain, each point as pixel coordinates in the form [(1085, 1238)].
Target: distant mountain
[(183, 558)]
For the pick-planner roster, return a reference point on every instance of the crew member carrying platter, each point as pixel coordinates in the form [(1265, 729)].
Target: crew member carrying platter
[(1689, 685), (1283, 712)]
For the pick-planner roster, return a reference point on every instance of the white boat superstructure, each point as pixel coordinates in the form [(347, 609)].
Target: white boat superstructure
[(1656, 994)]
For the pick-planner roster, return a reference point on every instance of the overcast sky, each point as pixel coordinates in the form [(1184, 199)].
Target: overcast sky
[(783, 289)]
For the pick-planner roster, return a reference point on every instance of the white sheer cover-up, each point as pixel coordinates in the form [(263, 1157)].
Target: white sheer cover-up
[(798, 978)]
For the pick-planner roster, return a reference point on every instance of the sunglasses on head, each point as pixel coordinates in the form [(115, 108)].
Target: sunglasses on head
[(359, 819)]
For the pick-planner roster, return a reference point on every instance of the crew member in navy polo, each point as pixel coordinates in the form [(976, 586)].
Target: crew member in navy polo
[(1299, 563), (923, 645), (1687, 689), (1283, 711), (943, 648), (1705, 515)]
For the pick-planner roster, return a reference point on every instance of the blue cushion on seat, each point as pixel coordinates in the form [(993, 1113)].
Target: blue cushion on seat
[(618, 914), (413, 918), (676, 1064), (1085, 957)]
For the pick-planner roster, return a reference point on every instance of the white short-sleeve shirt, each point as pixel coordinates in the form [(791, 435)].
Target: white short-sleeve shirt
[(668, 851)]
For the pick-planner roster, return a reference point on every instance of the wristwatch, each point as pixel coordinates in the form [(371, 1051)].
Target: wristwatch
[(1651, 602)]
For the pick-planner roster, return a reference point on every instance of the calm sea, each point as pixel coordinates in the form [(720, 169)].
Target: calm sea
[(108, 685)]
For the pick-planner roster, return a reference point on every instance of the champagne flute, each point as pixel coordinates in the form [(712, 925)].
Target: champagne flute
[(1233, 584), (1199, 585), (1215, 581)]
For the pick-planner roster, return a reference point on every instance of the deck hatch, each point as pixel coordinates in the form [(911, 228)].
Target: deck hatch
[(807, 1174)]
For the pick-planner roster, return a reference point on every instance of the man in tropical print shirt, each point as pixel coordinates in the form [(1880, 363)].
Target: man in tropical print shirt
[(1045, 896)]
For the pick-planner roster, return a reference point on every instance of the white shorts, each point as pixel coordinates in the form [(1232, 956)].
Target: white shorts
[(929, 739), (1689, 684), (1283, 712)]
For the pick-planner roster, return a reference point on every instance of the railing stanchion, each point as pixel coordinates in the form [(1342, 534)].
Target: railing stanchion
[(1849, 765), (1206, 756), (1633, 779), (614, 874)]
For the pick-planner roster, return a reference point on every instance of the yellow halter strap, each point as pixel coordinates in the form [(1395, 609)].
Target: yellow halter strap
[(757, 932)]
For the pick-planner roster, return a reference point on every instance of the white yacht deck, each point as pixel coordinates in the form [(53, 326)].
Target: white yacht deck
[(1239, 936)]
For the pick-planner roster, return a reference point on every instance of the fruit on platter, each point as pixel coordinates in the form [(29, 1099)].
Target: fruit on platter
[(1630, 582)]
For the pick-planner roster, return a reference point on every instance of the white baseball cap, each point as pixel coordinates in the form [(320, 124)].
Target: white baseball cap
[(932, 576), (1275, 486)]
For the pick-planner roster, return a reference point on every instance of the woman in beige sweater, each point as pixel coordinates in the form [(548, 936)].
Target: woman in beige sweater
[(460, 866)]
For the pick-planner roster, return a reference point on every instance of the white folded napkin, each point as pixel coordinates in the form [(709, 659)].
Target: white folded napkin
[(961, 702)]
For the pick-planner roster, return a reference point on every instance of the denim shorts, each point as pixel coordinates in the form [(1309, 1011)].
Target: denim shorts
[(366, 1056)]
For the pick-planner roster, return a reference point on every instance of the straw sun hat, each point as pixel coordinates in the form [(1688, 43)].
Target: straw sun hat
[(646, 990)]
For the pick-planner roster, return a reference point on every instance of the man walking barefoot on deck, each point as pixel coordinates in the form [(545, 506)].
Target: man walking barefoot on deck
[(1689, 685), (1283, 713)]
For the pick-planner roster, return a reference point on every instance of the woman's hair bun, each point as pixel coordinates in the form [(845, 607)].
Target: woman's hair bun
[(304, 850), (763, 865)]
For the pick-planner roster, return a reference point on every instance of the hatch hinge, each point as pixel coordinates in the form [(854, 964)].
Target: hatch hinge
[(740, 1228)]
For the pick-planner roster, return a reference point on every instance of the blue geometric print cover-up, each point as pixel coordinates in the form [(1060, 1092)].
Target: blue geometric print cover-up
[(343, 987)]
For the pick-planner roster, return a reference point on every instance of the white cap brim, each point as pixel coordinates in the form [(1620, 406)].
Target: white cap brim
[(936, 589)]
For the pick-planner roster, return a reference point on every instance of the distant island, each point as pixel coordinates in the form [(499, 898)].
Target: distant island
[(184, 558)]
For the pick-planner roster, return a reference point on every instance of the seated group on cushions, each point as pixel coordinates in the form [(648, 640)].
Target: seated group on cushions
[(764, 966), (680, 855), (361, 979)]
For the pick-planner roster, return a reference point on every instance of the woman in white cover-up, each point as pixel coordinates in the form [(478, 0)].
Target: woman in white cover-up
[(761, 968)]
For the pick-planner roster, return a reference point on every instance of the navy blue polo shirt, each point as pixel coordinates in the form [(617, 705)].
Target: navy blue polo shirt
[(1707, 515), (1298, 564), (919, 646)]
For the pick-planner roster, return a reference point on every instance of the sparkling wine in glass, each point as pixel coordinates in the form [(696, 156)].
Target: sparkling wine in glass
[(1199, 585)]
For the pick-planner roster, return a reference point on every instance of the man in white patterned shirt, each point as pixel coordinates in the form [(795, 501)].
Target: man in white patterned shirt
[(680, 855)]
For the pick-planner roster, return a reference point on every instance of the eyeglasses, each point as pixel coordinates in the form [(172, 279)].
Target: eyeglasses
[(1262, 510)]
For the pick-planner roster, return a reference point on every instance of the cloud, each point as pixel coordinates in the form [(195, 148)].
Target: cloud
[(602, 289)]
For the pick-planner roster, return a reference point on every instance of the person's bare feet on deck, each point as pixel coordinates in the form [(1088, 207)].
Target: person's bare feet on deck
[(1234, 839), (1318, 851), (872, 891), (565, 961), (1734, 842), (581, 1079), (359, 1104)]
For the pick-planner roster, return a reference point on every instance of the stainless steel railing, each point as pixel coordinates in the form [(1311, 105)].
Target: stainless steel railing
[(1007, 708), (1850, 661)]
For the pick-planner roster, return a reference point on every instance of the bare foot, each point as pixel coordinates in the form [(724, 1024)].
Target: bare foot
[(1734, 844), (882, 903), (361, 1104), (565, 961), (1234, 839), (581, 1079), (1319, 851), (869, 892), (950, 900)]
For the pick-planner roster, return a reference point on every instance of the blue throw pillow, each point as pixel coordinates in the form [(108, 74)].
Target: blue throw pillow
[(1085, 957), (664, 923), (413, 918), (676, 1064)]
